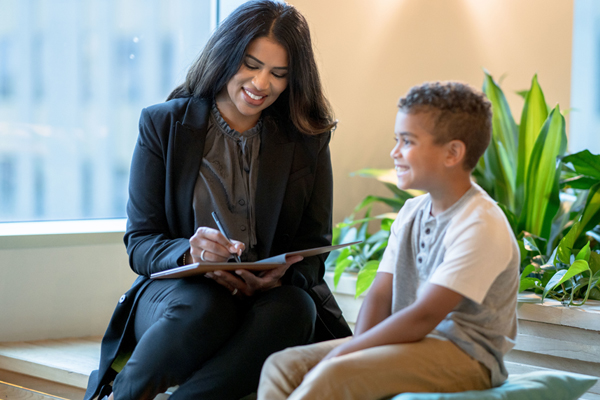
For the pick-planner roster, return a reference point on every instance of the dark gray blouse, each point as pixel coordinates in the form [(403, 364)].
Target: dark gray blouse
[(227, 181)]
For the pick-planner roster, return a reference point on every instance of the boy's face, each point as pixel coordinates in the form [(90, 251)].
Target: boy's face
[(418, 160)]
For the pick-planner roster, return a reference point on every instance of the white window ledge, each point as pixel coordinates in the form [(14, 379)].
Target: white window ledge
[(15, 235)]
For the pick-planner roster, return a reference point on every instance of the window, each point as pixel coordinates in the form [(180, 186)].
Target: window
[(585, 81), (74, 77)]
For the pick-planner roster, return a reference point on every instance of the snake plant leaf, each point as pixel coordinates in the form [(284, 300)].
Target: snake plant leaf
[(563, 275), (500, 157), (503, 178), (535, 112), (504, 126), (565, 247), (366, 276), (584, 163), (541, 189)]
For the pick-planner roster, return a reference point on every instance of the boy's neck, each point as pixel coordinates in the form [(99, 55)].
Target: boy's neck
[(445, 196)]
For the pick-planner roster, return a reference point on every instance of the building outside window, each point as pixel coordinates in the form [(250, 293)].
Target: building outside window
[(74, 77), (585, 78)]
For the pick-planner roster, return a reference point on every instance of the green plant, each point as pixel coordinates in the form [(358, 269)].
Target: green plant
[(526, 171), (364, 257), (551, 201)]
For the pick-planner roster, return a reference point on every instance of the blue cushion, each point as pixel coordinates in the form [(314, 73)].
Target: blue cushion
[(539, 385)]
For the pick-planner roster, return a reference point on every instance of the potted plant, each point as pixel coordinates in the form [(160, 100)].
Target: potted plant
[(552, 202)]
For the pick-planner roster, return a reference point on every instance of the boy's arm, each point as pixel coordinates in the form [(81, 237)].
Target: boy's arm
[(377, 305), (411, 324)]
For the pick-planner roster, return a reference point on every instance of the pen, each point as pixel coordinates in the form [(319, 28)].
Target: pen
[(214, 214)]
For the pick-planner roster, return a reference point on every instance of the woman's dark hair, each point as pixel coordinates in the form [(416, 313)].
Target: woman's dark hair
[(303, 101)]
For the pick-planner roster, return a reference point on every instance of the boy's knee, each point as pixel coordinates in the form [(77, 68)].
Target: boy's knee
[(279, 361)]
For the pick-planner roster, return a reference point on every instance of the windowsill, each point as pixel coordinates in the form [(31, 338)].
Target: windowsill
[(18, 235)]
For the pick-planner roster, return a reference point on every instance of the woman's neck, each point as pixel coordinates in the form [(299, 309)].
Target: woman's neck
[(233, 117)]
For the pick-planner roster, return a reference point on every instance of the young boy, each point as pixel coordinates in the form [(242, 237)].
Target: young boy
[(441, 312)]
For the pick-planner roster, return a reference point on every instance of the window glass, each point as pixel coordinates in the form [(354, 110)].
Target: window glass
[(74, 77), (585, 78)]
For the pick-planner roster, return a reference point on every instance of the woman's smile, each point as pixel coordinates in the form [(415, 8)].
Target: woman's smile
[(262, 77)]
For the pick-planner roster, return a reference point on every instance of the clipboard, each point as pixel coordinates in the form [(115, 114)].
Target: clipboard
[(262, 265)]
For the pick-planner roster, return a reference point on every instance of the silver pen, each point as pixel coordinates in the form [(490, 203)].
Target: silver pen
[(216, 218)]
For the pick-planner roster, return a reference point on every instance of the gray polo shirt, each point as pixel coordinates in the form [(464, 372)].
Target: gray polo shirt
[(470, 249)]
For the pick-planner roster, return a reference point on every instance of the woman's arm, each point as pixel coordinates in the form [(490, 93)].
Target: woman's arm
[(149, 243)]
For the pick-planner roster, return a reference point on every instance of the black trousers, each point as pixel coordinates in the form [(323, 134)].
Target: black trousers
[(193, 333)]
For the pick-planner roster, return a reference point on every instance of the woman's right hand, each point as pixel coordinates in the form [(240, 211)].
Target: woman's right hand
[(210, 245)]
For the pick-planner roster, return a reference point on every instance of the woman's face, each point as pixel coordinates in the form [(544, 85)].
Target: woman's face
[(260, 80)]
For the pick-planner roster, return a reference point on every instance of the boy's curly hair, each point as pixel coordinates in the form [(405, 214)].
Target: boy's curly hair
[(459, 111)]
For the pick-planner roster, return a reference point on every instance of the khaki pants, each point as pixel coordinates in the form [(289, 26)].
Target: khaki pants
[(431, 365)]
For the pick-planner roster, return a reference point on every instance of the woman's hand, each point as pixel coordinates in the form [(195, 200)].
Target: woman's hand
[(245, 283), (209, 245)]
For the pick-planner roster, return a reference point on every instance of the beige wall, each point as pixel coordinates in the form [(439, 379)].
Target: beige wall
[(372, 51)]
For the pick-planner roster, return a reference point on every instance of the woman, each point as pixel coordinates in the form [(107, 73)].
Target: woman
[(246, 136)]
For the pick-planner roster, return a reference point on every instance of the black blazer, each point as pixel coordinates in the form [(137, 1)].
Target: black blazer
[(293, 211)]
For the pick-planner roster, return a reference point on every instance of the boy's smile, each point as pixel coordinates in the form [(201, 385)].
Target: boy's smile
[(418, 160)]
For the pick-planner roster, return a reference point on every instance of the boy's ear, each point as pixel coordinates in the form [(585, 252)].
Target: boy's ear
[(455, 153)]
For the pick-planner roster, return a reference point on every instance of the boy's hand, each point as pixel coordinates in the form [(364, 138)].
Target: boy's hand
[(342, 349)]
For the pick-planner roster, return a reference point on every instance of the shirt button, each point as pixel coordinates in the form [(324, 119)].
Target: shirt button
[(422, 245), (241, 202), (419, 260), (243, 228), (427, 231)]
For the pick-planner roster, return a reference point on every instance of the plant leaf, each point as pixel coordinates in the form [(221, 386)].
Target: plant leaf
[(528, 269), (339, 268), (541, 189), (511, 217), (594, 262), (584, 254), (565, 247), (500, 156), (584, 163), (529, 243), (591, 212), (578, 182), (366, 276), (504, 126), (528, 283), (393, 202), (563, 275), (535, 112)]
